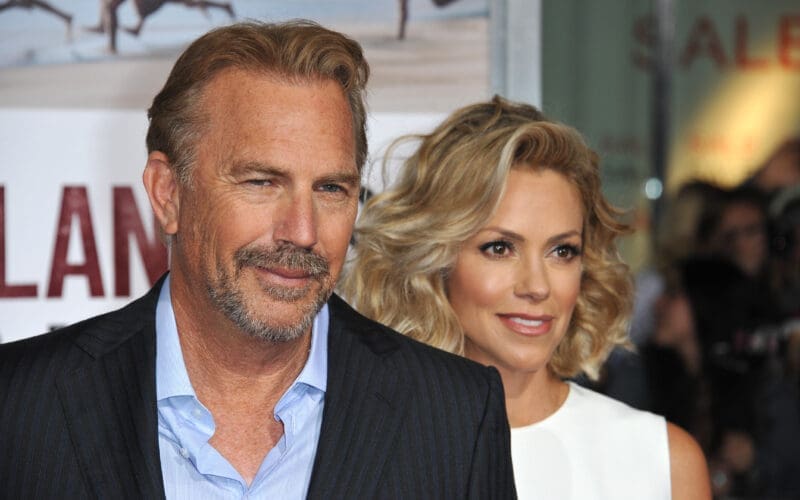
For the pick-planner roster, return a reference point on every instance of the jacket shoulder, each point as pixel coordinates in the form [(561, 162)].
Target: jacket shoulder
[(90, 337)]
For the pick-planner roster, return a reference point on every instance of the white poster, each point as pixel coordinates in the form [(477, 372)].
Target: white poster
[(76, 230)]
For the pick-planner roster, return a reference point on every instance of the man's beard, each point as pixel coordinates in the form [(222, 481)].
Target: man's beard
[(226, 294)]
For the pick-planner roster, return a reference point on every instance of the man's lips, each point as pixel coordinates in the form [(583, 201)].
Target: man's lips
[(525, 324), (287, 273)]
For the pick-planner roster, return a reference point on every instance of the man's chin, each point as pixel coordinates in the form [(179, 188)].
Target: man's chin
[(295, 315), (278, 335)]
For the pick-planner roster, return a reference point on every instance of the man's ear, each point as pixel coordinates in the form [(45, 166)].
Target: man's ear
[(161, 184)]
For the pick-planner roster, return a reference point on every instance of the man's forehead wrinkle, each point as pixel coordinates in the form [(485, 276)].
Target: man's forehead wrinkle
[(273, 129)]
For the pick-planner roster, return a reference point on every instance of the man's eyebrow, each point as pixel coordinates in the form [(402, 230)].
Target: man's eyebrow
[(257, 167), (348, 178)]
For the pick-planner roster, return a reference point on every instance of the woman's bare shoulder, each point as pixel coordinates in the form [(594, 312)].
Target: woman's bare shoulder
[(688, 468)]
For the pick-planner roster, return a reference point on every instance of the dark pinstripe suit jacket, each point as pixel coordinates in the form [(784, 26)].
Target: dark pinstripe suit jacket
[(401, 420)]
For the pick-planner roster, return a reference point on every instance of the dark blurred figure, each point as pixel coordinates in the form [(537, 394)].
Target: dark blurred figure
[(713, 332), (41, 4), (711, 366), (682, 232), (747, 322), (402, 6), (739, 232), (109, 22), (780, 170), (660, 308), (672, 363), (784, 213)]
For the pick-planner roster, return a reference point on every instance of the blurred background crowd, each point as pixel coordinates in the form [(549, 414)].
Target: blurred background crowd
[(716, 327)]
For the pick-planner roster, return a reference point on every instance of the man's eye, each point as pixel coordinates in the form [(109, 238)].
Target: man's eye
[(332, 188), (259, 182)]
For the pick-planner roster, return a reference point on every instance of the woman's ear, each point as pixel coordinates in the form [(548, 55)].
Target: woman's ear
[(161, 184)]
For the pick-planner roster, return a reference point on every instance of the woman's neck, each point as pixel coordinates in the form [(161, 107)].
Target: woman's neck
[(532, 397)]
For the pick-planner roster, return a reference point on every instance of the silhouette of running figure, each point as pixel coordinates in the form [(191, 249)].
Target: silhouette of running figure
[(30, 4), (144, 8), (403, 7)]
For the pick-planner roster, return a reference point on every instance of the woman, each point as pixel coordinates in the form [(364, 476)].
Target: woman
[(496, 243)]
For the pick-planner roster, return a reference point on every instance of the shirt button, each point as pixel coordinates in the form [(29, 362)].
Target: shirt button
[(197, 413), (184, 452)]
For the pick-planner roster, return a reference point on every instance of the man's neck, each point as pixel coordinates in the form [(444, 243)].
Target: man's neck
[(240, 379), (225, 363), (222, 361)]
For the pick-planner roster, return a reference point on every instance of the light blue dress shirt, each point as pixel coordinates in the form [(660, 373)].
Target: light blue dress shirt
[(192, 468)]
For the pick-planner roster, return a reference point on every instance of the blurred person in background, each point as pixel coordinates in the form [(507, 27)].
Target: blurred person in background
[(681, 232), (715, 360), (754, 411), (782, 396), (739, 232), (780, 170), (785, 245), (714, 325)]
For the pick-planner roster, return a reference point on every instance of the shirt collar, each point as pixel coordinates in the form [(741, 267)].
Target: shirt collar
[(172, 379), (315, 372)]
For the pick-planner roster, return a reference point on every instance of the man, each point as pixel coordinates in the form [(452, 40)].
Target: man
[(240, 374)]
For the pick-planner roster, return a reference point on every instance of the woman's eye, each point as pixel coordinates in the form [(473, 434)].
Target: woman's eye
[(496, 248), (567, 252)]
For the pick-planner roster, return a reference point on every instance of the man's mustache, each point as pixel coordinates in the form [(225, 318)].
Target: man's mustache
[(285, 256)]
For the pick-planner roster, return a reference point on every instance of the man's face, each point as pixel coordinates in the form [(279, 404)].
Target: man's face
[(264, 224)]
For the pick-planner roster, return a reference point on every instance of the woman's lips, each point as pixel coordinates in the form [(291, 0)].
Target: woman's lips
[(527, 325)]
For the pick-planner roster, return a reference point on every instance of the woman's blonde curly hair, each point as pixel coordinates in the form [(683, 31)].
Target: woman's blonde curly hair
[(407, 238)]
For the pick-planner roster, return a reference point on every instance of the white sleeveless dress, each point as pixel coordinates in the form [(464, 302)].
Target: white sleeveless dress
[(593, 447)]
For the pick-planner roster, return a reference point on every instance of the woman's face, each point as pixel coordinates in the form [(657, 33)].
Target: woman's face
[(516, 281)]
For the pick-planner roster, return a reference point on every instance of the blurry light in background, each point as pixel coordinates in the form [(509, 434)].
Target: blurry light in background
[(653, 188), (743, 120)]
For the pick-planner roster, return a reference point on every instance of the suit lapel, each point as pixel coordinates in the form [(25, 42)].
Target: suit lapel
[(110, 404), (364, 404)]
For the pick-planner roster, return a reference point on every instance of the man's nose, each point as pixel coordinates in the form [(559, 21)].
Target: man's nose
[(297, 222)]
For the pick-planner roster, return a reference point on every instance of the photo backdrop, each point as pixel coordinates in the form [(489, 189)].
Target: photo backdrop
[(76, 231)]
